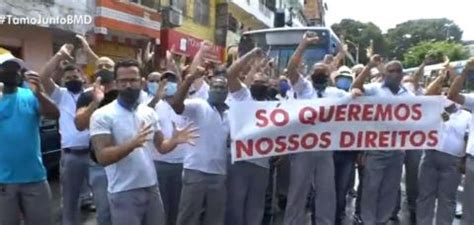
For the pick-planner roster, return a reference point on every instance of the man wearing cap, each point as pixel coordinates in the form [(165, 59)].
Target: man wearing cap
[(344, 162), (23, 185), (75, 144), (102, 93)]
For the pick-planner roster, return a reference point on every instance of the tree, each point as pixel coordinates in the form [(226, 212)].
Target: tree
[(412, 32), (360, 35), (436, 50)]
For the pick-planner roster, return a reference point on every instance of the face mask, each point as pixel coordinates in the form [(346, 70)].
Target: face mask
[(320, 81), (343, 83), (272, 93), (284, 87), (171, 88), (152, 87), (217, 97), (391, 81), (259, 91), (129, 97), (74, 86)]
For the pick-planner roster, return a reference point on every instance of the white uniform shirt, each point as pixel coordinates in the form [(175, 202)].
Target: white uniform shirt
[(304, 90), (469, 103), (137, 169), (167, 116), (70, 136), (244, 95), (454, 131), (210, 153), (202, 92), (380, 90)]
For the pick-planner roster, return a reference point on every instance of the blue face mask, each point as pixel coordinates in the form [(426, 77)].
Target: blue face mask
[(217, 97), (152, 87), (344, 83), (171, 88), (284, 87)]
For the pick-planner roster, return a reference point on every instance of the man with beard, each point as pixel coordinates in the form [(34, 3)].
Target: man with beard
[(75, 144), (103, 93), (124, 135), (23, 185), (383, 169), (247, 180), (311, 168), (205, 163)]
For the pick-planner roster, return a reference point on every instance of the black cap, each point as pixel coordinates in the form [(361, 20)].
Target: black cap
[(169, 75)]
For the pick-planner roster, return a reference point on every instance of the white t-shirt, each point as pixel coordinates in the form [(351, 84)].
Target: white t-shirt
[(469, 103), (136, 170), (210, 153), (244, 95), (167, 116), (70, 136), (380, 90), (304, 90), (202, 92), (454, 131)]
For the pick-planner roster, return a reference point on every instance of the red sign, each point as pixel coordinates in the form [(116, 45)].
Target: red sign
[(182, 44)]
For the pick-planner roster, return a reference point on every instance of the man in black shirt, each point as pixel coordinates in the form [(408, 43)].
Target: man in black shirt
[(102, 93)]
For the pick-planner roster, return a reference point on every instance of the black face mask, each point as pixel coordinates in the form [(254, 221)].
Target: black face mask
[(129, 97), (109, 97), (74, 86), (320, 81), (272, 93), (259, 92)]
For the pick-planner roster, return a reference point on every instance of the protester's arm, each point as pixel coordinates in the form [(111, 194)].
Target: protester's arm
[(87, 48), (295, 60), (456, 87), (47, 72), (419, 75), (180, 136), (434, 88), (177, 102), (234, 70), (159, 94), (46, 106), (358, 83), (339, 57)]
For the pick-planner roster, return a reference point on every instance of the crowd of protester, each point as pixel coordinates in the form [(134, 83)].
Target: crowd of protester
[(153, 145)]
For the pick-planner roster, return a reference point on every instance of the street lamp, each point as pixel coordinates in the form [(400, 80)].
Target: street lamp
[(356, 46), (447, 29)]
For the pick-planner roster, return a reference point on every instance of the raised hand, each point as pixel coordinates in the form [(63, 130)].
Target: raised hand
[(185, 135), (149, 52), (310, 38), (65, 52), (143, 136), (34, 81), (375, 61), (98, 91), (83, 41), (470, 64)]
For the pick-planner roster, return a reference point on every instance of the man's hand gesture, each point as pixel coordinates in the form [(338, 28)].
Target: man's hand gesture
[(185, 135), (143, 136)]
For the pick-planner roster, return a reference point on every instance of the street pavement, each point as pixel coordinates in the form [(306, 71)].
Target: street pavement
[(88, 218)]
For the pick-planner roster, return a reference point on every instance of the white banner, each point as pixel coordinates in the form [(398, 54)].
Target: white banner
[(264, 129)]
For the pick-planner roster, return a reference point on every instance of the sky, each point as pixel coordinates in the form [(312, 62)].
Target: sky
[(388, 13)]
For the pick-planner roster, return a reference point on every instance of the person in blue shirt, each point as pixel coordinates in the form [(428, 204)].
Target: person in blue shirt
[(23, 185)]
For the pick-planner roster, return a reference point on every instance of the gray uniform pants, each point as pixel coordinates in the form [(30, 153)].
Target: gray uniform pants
[(170, 182), (317, 169), (246, 185), (202, 193), (468, 194), (439, 180), (381, 182), (74, 174), (32, 200), (344, 165), (98, 183), (412, 165), (137, 207)]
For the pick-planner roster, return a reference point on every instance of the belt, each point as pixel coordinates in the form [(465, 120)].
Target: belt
[(77, 151)]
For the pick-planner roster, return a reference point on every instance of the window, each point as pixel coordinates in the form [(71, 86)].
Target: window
[(201, 12), (180, 4)]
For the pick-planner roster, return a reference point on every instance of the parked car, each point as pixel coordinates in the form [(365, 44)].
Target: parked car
[(50, 144)]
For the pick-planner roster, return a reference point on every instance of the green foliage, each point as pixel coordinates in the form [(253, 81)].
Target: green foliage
[(410, 33), (435, 50), (360, 34)]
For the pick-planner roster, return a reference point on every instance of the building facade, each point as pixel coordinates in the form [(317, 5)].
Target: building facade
[(314, 11)]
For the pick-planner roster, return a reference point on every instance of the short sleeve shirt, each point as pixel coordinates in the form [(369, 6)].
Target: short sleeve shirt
[(137, 169), (20, 148), (469, 104), (304, 90)]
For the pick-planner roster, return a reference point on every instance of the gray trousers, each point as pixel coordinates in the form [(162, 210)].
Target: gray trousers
[(170, 183), (137, 207), (246, 185), (439, 180), (98, 183), (32, 200), (202, 193), (317, 169), (468, 194), (344, 167), (381, 182), (74, 172), (412, 165)]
